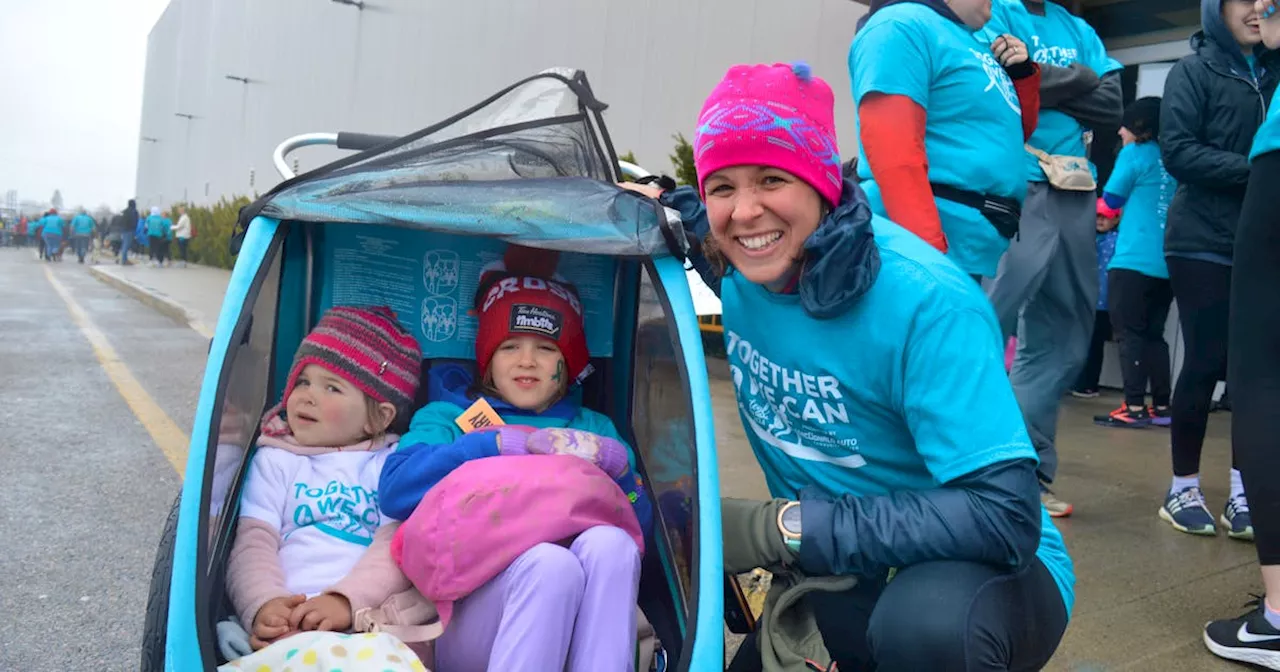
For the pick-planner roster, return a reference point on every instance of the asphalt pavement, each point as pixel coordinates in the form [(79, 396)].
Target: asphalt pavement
[(86, 489)]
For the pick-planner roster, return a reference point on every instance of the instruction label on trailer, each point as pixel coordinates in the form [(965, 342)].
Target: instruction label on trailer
[(430, 280)]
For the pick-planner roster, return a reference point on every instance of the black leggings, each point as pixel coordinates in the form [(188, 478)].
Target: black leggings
[(1254, 371), (938, 616), (1203, 292), (1139, 308)]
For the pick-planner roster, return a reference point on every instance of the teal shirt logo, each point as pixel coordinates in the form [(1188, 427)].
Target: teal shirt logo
[(801, 414), (997, 79)]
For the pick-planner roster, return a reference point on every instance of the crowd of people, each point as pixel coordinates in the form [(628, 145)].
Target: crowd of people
[(122, 234)]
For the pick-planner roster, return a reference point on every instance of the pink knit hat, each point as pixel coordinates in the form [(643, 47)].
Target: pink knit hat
[(771, 115), (368, 347)]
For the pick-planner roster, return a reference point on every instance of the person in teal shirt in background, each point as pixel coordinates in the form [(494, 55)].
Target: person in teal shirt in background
[(963, 86), (51, 231), (1047, 286), (1253, 374), (159, 230), (1138, 278), (82, 226)]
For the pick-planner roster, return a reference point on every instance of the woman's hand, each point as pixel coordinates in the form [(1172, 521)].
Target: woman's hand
[(1009, 50), (608, 454), (650, 190), (330, 612)]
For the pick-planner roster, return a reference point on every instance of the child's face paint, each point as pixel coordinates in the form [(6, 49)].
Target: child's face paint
[(528, 372)]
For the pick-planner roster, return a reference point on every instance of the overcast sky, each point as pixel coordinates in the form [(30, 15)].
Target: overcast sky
[(71, 75)]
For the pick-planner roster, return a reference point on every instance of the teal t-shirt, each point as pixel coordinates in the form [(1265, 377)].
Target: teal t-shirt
[(1268, 137), (1140, 177), (1060, 39), (82, 225), (52, 225), (904, 391), (973, 127)]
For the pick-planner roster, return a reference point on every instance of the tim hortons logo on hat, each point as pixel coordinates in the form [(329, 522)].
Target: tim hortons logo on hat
[(515, 284), (530, 319)]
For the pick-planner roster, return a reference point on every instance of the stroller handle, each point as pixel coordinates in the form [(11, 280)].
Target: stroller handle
[(633, 171), (342, 140), (306, 139), (363, 141)]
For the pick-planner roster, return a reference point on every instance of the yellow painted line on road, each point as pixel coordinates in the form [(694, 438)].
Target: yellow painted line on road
[(164, 431)]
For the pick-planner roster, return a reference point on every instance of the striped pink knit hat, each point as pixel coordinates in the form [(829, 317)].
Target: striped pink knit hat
[(368, 347)]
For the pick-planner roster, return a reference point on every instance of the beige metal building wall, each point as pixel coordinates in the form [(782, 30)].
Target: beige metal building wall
[(399, 65)]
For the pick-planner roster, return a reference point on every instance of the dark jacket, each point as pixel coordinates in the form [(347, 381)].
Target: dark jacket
[(991, 515), (1212, 107), (125, 221)]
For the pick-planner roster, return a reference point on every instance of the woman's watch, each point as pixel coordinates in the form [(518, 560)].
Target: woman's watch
[(789, 525)]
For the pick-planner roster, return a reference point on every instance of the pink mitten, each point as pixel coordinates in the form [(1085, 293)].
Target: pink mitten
[(606, 453)]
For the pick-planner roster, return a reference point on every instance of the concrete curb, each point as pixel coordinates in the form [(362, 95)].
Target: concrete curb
[(155, 300)]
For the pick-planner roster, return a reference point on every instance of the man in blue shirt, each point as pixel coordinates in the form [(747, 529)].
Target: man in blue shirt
[(1047, 285), (82, 226)]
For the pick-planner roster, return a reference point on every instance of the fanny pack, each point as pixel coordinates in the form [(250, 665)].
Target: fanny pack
[(1068, 173), (1003, 212)]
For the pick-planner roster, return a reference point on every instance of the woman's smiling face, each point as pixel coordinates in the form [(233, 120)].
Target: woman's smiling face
[(760, 217)]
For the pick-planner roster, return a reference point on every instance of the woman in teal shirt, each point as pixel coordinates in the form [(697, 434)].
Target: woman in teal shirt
[(868, 372), (1137, 276)]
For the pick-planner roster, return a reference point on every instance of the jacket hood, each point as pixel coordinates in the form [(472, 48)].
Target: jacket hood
[(936, 5), (1214, 41), (841, 259), (453, 383)]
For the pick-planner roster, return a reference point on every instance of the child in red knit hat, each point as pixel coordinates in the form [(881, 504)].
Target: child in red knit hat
[(311, 548), (568, 607)]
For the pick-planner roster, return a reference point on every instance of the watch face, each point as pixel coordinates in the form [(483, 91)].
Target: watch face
[(791, 519)]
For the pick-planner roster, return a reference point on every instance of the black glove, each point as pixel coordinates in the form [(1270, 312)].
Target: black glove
[(751, 535), (1021, 70)]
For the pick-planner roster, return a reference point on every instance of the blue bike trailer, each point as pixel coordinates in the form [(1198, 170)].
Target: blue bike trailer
[(410, 222)]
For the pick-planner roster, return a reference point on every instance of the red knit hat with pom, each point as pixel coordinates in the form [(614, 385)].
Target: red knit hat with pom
[(512, 302)]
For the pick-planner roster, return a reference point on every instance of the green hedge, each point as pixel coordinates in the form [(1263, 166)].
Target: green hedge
[(213, 226)]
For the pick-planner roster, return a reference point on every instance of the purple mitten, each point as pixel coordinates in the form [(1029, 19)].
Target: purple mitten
[(513, 439), (606, 453)]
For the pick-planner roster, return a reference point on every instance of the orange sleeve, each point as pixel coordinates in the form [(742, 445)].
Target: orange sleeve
[(1028, 89), (891, 128)]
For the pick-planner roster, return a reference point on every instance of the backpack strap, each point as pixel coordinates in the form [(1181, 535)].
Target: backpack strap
[(1038, 153), (407, 616)]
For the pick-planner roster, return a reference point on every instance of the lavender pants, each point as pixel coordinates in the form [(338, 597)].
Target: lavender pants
[(554, 608)]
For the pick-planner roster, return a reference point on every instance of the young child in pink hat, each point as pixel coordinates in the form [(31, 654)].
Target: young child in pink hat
[(312, 549)]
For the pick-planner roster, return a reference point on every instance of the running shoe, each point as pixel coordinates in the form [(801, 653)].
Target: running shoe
[(1056, 507), (1247, 639), (1124, 417), (1185, 510), (1236, 519), (1085, 394), (1161, 416)]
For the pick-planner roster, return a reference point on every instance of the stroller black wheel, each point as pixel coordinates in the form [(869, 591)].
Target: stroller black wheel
[(155, 627)]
